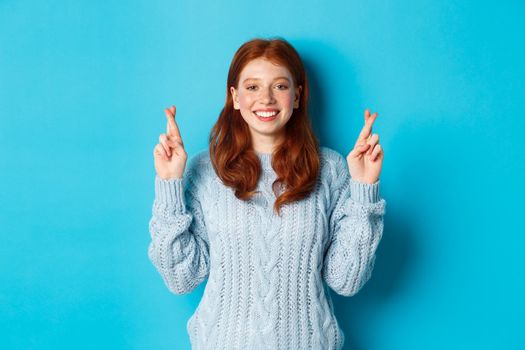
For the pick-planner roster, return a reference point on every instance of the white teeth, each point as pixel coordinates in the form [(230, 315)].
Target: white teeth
[(266, 114)]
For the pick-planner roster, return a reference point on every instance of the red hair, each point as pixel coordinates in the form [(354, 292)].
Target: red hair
[(295, 161)]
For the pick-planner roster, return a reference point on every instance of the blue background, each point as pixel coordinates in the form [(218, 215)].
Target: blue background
[(83, 86)]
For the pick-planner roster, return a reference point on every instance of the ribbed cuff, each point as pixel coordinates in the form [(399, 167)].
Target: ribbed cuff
[(364, 192), (170, 192)]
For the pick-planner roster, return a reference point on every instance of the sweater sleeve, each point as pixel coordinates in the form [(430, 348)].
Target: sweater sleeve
[(179, 242), (356, 227)]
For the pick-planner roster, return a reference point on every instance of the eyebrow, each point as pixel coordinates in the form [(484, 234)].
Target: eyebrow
[(285, 78)]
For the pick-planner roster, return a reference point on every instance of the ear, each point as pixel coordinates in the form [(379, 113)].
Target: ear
[(298, 91), (235, 98)]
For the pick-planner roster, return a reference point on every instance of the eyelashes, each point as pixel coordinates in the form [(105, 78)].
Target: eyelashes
[(279, 86)]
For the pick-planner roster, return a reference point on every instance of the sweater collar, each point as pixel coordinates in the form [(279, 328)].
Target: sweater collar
[(266, 161)]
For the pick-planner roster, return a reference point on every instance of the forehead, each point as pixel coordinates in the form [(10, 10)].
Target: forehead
[(261, 68)]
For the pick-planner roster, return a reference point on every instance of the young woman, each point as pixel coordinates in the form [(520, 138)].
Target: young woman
[(265, 213)]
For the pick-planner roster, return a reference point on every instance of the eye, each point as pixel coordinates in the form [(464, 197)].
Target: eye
[(251, 87), (282, 86)]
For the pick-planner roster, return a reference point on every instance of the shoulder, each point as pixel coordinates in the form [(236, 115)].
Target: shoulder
[(329, 155), (200, 159), (332, 161), (198, 168), (334, 170)]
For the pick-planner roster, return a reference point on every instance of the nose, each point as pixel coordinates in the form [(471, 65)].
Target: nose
[(267, 96)]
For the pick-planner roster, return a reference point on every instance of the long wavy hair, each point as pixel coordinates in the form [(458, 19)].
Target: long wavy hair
[(295, 160)]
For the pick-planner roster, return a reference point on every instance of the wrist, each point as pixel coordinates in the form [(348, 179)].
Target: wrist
[(169, 176), (368, 181), (363, 192), (170, 192)]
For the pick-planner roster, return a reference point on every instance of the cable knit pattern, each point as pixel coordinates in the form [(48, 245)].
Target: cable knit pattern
[(266, 273)]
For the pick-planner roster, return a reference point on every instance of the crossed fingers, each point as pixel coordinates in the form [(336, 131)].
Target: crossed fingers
[(364, 135), (172, 140), (172, 130), (366, 141)]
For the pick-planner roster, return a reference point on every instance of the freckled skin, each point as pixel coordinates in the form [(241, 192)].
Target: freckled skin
[(273, 89)]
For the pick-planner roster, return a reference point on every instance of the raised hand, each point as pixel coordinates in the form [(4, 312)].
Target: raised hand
[(366, 159), (169, 154)]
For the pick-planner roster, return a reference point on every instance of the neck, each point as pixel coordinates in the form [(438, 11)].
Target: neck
[(265, 144)]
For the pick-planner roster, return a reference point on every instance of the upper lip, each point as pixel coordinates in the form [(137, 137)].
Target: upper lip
[(266, 110)]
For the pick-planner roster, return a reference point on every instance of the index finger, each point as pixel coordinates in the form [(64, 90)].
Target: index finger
[(367, 128), (173, 129)]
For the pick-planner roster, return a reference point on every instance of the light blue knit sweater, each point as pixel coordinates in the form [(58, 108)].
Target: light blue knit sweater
[(265, 272)]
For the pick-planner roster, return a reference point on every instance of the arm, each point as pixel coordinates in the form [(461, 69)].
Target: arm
[(179, 242), (356, 227)]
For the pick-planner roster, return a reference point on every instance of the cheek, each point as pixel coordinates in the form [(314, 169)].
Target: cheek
[(288, 102), (287, 98), (245, 101)]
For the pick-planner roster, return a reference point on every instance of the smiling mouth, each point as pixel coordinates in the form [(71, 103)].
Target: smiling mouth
[(266, 116)]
